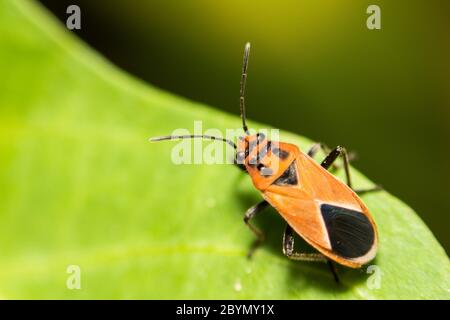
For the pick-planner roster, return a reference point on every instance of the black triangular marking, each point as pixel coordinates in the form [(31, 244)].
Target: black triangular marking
[(350, 232), (289, 177)]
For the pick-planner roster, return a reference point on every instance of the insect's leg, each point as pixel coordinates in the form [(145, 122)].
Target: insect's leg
[(333, 270), (312, 152), (368, 190), (316, 147), (288, 250), (341, 151), (257, 208), (332, 156)]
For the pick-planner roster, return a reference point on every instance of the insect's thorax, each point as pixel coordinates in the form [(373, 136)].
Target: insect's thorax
[(268, 162)]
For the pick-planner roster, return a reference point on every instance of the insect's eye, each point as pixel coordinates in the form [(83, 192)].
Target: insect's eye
[(240, 156), (289, 177)]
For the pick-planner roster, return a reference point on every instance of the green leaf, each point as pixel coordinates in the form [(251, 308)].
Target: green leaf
[(80, 185)]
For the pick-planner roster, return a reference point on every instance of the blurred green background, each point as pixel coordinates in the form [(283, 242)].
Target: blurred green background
[(315, 69)]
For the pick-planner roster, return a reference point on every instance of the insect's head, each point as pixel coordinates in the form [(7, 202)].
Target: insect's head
[(247, 143), (255, 151), (250, 139), (243, 145)]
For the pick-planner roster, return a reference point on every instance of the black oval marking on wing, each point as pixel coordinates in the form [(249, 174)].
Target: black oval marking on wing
[(350, 232)]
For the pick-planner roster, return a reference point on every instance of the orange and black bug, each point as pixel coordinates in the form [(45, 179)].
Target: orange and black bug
[(324, 211)]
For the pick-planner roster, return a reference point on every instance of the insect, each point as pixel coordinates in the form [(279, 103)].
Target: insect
[(326, 212)]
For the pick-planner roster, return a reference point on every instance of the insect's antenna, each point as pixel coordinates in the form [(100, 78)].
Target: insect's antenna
[(243, 81), (193, 136)]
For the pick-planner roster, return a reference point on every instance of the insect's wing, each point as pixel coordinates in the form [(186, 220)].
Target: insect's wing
[(351, 233), (326, 213)]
